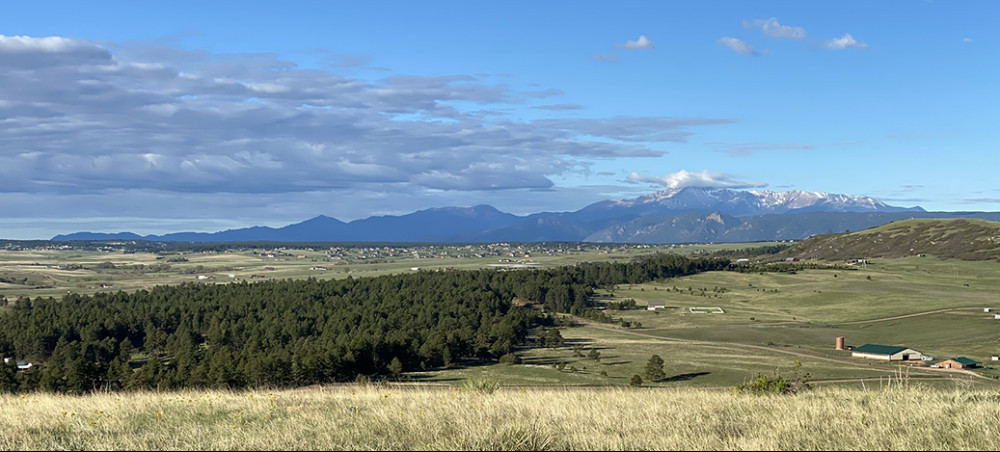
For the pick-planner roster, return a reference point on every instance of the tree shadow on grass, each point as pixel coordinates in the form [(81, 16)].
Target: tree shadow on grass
[(684, 377), (542, 361), (430, 378)]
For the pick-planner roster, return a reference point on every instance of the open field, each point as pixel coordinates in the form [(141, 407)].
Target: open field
[(771, 320), (58, 269), (899, 415)]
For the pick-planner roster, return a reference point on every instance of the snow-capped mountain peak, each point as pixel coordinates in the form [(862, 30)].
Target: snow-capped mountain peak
[(740, 202)]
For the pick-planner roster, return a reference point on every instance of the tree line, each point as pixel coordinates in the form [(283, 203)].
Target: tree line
[(298, 332)]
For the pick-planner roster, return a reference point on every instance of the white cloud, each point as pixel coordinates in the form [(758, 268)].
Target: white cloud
[(684, 178), (845, 42), (51, 44), (772, 28), (738, 46), (642, 43), (966, 40), (92, 121)]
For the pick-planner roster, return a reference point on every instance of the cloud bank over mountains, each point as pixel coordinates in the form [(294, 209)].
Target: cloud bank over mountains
[(87, 118), (684, 179)]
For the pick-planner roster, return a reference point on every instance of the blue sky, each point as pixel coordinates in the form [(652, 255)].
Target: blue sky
[(159, 117)]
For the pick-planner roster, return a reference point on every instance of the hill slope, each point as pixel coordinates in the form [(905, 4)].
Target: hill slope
[(963, 238)]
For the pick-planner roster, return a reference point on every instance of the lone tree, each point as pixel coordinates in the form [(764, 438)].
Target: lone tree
[(654, 369)]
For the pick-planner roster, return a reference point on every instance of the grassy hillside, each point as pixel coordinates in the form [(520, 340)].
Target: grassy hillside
[(897, 415), (968, 239), (772, 319)]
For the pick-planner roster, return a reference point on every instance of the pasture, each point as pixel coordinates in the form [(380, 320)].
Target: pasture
[(773, 320), (717, 329), (57, 269)]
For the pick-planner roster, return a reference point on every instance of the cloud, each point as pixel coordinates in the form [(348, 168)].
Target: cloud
[(559, 107), (631, 129), (345, 61), (704, 179), (642, 43), (738, 46), (845, 42), (606, 57), (909, 135), (772, 28), (97, 120), (744, 149), (966, 40), (541, 94)]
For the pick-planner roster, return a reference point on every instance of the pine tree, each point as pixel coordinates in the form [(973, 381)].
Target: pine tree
[(654, 369)]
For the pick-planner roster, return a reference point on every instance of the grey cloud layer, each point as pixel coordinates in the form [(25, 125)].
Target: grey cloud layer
[(78, 117)]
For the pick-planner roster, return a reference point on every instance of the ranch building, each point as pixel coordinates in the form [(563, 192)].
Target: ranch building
[(886, 353), (958, 363), (654, 305)]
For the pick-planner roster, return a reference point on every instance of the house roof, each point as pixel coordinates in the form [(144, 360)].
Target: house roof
[(965, 361), (657, 303), (879, 349)]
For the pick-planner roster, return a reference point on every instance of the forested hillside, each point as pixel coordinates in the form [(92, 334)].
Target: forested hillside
[(291, 333)]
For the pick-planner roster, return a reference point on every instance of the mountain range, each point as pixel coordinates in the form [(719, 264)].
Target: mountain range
[(683, 215)]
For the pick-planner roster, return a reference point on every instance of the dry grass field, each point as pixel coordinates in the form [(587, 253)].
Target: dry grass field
[(561, 398), (896, 416), (58, 268)]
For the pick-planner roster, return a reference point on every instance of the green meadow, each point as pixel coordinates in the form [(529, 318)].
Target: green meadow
[(766, 322), (772, 321)]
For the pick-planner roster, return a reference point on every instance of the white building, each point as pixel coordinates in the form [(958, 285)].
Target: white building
[(886, 353)]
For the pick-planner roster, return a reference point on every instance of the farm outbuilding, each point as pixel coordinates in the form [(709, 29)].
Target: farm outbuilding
[(886, 353), (656, 304), (959, 363)]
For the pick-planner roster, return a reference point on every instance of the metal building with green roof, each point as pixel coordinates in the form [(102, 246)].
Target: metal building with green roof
[(959, 363), (886, 353)]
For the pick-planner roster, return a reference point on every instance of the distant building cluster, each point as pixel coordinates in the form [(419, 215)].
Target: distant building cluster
[(890, 353)]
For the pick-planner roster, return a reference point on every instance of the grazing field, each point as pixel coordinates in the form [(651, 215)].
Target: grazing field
[(899, 415), (58, 268), (772, 321), (769, 322)]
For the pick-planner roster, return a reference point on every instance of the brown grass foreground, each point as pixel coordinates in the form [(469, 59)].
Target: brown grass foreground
[(392, 418)]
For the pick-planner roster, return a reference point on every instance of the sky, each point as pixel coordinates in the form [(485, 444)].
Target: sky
[(156, 117)]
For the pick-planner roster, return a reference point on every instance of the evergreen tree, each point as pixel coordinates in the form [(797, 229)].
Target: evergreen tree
[(654, 369)]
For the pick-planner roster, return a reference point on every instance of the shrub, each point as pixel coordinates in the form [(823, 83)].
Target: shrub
[(485, 386), (510, 358), (762, 384)]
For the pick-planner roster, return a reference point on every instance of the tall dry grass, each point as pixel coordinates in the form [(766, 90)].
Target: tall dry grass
[(397, 418)]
